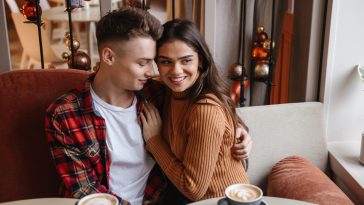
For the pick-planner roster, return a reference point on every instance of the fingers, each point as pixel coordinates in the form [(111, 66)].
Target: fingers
[(151, 112), (143, 120), (243, 152)]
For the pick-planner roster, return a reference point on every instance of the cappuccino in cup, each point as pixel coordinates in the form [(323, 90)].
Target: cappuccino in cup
[(98, 199), (244, 194)]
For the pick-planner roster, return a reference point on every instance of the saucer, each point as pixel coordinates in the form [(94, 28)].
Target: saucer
[(263, 203)]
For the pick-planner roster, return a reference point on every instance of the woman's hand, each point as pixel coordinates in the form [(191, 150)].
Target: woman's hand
[(242, 148), (151, 121)]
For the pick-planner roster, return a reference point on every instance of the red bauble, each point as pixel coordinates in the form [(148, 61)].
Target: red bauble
[(235, 90), (261, 37), (82, 61), (29, 10)]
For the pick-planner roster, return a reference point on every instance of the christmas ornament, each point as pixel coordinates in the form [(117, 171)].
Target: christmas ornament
[(76, 44), (260, 53), (261, 36), (82, 61), (261, 70), (235, 70), (65, 56), (235, 89), (29, 10), (266, 44)]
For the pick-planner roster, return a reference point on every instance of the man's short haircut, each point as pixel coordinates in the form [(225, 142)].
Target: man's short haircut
[(127, 23)]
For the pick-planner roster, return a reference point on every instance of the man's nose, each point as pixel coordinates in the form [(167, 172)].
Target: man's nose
[(150, 70)]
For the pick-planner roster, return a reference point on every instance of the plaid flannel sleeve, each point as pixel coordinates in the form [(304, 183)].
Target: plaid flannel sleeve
[(73, 166), (157, 183)]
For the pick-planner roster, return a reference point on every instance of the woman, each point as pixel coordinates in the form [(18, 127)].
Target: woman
[(193, 149)]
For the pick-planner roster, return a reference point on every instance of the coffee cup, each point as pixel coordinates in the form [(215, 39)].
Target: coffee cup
[(99, 199), (243, 194)]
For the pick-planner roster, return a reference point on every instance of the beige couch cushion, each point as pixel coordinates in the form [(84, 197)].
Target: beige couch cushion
[(283, 130)]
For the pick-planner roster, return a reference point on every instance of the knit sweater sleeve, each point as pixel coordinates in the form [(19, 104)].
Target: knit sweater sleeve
[(205, 130)]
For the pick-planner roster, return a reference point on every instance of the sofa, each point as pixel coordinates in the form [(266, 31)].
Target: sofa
[(278, 131), (289, 157), (27, 169)]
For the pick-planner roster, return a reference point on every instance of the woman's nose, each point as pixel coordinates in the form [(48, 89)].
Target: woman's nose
[(176, 68)]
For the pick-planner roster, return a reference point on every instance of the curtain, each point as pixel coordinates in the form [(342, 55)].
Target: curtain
[(193, 10)]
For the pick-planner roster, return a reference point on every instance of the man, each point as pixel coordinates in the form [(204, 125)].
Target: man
[(93, 131)]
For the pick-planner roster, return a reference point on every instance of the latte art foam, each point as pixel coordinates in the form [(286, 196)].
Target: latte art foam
[(243, 194), (99, 199)]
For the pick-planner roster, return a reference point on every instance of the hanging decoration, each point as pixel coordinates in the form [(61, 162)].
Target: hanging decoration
[(32, 12), (262, 57), (237, 71), (81, 60), (29, 10), (260, 54), (70, 5)]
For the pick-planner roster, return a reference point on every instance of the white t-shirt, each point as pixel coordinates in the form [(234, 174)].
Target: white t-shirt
[(130, 163)]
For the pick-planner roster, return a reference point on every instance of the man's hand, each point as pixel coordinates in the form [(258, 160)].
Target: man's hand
[(242, 148)]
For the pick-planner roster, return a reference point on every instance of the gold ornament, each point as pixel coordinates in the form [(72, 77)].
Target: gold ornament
[(76, 44), (260, 29), (65, 56), (67, 35), (266, 44)]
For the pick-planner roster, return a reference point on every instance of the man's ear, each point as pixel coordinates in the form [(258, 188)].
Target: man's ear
[(108, 56)]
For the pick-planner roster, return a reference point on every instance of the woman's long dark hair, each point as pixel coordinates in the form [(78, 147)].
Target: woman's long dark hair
[(209, 80)]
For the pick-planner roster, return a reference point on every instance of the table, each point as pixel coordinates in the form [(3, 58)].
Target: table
[(43, 201), (268, 199), (348, 171), (86, 15)]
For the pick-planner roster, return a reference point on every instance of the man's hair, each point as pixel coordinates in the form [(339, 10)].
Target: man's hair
[(127, 23)]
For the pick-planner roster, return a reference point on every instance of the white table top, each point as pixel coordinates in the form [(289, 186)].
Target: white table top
[(58, 13), (43, 201), (267, 199), (67, 201)]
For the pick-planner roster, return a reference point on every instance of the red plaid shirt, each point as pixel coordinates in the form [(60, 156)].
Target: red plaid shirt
[(78, 145)]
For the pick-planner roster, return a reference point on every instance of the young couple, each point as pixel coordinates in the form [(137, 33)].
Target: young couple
[(100, 133)]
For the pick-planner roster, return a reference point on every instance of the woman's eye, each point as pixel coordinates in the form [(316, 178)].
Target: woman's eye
[(185, 61), (164, 62)]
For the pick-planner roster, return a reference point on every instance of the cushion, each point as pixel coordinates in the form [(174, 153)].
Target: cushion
[(296, 178)]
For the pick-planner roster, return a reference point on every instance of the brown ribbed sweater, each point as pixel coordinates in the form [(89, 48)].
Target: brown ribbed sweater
[(195, 150)]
